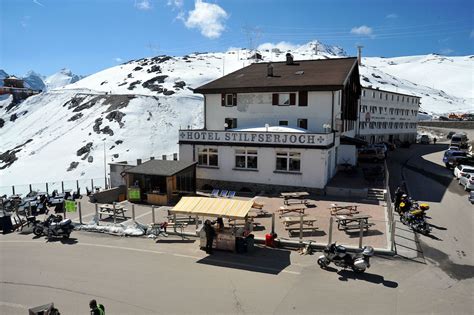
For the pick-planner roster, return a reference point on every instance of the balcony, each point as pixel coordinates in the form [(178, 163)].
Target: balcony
[(257, 138)]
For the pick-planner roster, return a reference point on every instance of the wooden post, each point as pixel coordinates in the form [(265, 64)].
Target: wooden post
[(77, 185), (301, 228), (13, 190), (29, 208), (92, 185), (174, 221), (331, 220), (47, 188), (30, 188), (97, 213), (273, 223), (133, 212), (62, 186), (80, 212), (115, 214), (64, 207), (392, 237), (361, 233), (153, 214), (197, 222)]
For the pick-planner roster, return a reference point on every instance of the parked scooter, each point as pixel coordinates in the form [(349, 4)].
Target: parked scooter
[(338, 255), (54, 225)]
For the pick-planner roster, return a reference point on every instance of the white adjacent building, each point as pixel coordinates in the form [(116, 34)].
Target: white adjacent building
[(275, 126), (387, 116)]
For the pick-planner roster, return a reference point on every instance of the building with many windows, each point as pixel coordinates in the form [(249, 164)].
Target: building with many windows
[(275, 126), (387, 116)]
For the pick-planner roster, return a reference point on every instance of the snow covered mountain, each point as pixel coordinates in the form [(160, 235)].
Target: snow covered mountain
[(135, 109), (34, 81), (61, 78)]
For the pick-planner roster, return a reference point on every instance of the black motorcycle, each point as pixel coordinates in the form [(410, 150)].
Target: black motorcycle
[(338, 255), (54, 225)]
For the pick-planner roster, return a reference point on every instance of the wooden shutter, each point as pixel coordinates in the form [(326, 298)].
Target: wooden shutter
[(292, 98), (234, 99), (223, 99), (275, 99), (303, 98)]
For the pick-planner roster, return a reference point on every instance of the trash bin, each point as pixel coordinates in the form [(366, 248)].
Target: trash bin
[(269, 240), (6, 223)]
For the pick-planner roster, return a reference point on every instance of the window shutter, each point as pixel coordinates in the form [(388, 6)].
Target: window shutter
[(292, 98), (234, 99), (223, 99), (275, 99), (303, 98)]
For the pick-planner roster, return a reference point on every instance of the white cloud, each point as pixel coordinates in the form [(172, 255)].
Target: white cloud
[(175, 3), (118, 59), (143, 5), (282, 46), (209, 18), (392, 16), (38, 3), (362, 30), (446, 51)]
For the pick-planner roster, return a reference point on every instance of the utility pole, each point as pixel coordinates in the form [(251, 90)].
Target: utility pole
[(359, 54), (105, 168)]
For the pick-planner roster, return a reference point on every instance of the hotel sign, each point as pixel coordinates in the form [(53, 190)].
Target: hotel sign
[(256, 138)]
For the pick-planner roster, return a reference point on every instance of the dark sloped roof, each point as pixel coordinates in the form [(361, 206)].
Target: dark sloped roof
[(322, 74), (354, 141), (160, 167)]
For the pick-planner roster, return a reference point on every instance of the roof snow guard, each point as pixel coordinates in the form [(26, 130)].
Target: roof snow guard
[(309, 75)]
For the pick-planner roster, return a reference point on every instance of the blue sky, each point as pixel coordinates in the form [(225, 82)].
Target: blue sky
[(90, 35)]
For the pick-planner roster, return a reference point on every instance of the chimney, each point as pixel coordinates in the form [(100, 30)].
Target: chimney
[(269, 70), (139, 161), (359, 54), (289, 59)]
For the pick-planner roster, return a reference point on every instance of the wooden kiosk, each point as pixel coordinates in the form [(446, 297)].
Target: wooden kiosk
[(160, 182), (233, 209)]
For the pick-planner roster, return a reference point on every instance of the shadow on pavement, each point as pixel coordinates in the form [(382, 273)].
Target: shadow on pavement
[(261, 259), (175, 241), (345, 275), (67, 241)]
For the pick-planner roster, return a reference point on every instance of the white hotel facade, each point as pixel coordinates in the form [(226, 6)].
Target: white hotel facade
[(387, 116), (275, 126)]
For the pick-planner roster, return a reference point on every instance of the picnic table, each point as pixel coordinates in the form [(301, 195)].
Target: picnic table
[(352, 222), (296, 209), (343, 210), (294, 197), (110, 210), (293, 225)]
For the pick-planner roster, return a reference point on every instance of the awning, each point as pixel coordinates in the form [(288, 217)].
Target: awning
[(215, 207)]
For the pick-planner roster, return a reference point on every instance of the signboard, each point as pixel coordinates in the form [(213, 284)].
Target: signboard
[(70, 206), (134, 194), (260, 138)]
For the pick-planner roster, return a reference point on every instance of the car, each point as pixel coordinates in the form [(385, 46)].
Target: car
[(453, 148), (467, 180), (372, 154), (460, 140), (450, 157), (380, 146), (425, 139), (471, 197), (468, 160), (460, 170), (450, 134)]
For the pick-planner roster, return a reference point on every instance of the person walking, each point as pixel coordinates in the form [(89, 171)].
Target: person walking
[(96, 309), (210, 233), (434, 140)]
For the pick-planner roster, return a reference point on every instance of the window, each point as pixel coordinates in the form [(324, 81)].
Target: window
[(288, 161), (363, 93), (386, 96), (302, 123), (246, 159), (392, 97), (373, 94), (283, 123), (398, 98), (284, 99), (207, 157), (230, 123), (229, 99), (380, 95)]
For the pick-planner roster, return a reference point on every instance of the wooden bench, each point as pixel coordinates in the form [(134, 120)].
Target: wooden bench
[(109, 211), (293, 229), (182, 219), (348, 222), (356, 226)]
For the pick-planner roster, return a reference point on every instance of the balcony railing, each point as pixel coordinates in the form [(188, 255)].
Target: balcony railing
[(256, 138)]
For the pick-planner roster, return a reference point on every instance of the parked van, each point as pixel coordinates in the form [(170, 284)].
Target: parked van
[(459, 140)]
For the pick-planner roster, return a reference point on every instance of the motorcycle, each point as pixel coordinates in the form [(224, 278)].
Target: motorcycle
[(54, 225), (416, 218), (338, 255)]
